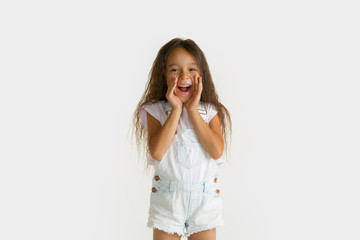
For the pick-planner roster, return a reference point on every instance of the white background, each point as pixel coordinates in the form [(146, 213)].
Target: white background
[(72, 73)]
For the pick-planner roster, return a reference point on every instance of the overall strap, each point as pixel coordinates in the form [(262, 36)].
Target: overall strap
[(201, 108)]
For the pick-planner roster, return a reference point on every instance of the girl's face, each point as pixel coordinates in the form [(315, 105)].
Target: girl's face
[(182, 66)]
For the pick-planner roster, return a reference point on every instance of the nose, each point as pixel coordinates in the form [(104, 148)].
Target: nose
[(184, 76)]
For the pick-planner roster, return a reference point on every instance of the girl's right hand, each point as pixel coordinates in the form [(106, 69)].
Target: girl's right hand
[(174, 100)]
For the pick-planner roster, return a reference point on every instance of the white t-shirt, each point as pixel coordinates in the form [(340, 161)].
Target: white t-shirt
[(160, 110)]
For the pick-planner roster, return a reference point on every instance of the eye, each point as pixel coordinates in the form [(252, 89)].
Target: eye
[(192, 69), (173, 70)]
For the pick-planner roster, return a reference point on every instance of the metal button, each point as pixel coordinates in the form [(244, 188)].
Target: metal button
[(215, 180), (157, 178), (218, 191), (154, 189)]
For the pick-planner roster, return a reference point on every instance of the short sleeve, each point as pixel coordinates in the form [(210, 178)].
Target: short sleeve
[(219, 161), (154, 109), (211, 111)]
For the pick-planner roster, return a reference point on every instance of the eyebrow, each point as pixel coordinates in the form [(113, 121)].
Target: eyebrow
[(174, 64)]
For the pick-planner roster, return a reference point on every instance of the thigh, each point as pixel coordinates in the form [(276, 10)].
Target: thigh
[(204, 235), (161, 235)]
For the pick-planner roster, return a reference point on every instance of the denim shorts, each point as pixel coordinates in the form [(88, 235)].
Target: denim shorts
[(183, 207)]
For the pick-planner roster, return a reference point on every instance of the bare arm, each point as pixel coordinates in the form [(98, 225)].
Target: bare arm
[(160, 137), (210, 136)]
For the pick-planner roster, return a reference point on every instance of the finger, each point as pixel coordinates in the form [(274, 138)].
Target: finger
[(175, 85), (170, 86), (200, 85), (172, 83), (195, 84)]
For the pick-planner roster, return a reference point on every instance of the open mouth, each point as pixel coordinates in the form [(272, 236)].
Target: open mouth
[(184, 88)]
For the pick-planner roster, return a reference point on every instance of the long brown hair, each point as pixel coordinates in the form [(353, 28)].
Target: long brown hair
[(156, 89)]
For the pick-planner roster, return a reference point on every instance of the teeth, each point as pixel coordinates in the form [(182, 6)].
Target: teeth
[(184, 85)]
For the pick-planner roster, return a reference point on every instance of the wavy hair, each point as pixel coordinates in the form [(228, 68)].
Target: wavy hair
[(156, 88)]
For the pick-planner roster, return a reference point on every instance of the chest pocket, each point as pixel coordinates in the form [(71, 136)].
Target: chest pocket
[(190, 152)]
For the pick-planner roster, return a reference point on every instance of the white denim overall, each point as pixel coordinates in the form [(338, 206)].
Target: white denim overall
[(185, 196)]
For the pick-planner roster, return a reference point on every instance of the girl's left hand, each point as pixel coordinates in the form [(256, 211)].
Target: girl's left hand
[(193, 102)]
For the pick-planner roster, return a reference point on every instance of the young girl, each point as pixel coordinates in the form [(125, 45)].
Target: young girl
[(184, 125)]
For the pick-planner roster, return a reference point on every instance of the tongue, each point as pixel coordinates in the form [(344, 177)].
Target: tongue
[(183, 89)]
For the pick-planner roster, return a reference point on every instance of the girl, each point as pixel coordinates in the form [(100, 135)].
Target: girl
[(184, 126)]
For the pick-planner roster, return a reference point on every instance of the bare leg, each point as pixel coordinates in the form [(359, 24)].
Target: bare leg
[(204, 235), (161, 235)]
